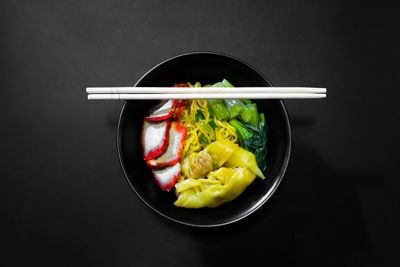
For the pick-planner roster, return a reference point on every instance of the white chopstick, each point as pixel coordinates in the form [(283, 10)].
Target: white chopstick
[(202, 90), (206, 96)]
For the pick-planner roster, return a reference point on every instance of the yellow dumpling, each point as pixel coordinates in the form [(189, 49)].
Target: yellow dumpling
[(220, 151), (215, 195), (234, 169), (197, 165), (243, 158), (222, 174), (188, 184)]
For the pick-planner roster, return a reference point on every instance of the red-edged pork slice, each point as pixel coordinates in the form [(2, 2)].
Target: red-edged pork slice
[(155, 138), (163, 111), (171, 156), (166, 177), (180, 108)]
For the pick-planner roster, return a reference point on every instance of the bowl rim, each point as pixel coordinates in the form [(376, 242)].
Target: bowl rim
[(260, 203)]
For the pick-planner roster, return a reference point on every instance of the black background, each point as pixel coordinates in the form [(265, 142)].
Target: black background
[(64, 200)]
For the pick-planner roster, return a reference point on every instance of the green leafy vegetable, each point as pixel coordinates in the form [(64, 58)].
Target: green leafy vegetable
[(263, 123), (218, 84), (225, 83), (253, 139), (255, 118), (246, 101), (242, 130)]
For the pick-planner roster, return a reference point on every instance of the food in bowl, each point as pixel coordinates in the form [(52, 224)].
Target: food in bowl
[(206, 151)]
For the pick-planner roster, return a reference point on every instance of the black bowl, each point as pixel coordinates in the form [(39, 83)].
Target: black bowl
[(204, 67)]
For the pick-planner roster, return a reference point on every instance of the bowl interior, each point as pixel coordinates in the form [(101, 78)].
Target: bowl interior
[(205, 68)]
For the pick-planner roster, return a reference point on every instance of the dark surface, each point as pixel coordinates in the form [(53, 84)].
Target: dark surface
[(208, 68), (64, 200)]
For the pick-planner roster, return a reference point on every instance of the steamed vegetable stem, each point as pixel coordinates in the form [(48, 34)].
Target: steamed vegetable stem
[(250, 115), (235, 107), (219, 109)]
